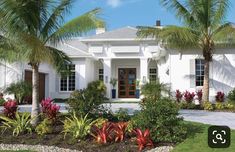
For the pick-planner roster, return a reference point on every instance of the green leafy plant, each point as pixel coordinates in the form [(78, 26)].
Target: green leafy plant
[(20, 89), (2, 100), (219, 106), (162, 119), (208, 106), (19, 125), (229, 106), (45, 127), (154, 90), (78, 128), (88, 100), (231, 95), (113, 81), (122, 115), (100, 121)]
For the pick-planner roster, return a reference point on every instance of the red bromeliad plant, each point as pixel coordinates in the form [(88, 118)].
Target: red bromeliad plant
[(119, 130), (188, 97), (49, 109), (199, 95), (219, 96), (143, 139), (178, 96), (10, 108), (104, 134)]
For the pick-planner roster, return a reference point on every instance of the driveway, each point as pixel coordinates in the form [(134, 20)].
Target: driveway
[(207, 117)]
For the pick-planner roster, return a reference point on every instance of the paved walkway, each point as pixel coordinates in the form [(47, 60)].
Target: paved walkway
[(207, 117)]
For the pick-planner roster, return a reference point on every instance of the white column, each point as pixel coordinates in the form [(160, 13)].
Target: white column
[(107, 75), (143, 70)]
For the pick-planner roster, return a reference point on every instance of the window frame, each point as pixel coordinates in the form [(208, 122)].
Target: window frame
[(153, 74), (68, 79), (101, 74), (199, 63)]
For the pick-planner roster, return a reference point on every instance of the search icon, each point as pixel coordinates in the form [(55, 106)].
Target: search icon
[(219, 137)]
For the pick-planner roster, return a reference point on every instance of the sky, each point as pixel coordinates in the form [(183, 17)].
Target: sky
[(121, 13)]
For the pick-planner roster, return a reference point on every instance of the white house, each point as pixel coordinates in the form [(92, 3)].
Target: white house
[(120, 54)]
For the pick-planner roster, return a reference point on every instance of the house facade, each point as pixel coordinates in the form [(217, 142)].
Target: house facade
[(120, 54)]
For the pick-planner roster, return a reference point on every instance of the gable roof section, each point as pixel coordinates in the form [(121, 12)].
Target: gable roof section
[(125, 33), (74, 48)]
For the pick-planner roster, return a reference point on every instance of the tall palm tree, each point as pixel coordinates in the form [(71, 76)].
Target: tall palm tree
[(204, 28), (31, 29)]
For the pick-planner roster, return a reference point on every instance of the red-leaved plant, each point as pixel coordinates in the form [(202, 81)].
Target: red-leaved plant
[(119, 129), (199, 95), (10, 108), (188, 97), (49, 109), (219, 96), (143, 138), (104, 134), (178, 96)]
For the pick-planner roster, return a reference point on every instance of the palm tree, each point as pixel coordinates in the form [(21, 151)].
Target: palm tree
[(31, 29), (204, 28)]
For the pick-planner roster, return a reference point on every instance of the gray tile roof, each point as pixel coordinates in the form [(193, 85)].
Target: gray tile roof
[(121, 33)]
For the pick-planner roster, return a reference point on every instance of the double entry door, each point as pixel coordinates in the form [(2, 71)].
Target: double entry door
[(126, 82)]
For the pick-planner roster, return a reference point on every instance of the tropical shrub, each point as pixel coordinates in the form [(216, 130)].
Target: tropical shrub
[(199, 96), (208, 106), (19, 125), (10, 108), (188, 97), (143, 139), (119, 129), (219, 106), (100, 121), (2, 100), (77, 127), (162, 119), (45, 127), (229, 106), (20, 89), (122, 114), (219, 96), (178, 96), (49, 109), (88, 100), (104, 134), (154, 90), (231, 95), (186, 105)]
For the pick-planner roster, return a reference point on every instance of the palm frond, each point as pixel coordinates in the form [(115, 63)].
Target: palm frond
[(56, 17), (172, 36), (77, 26), (59, 60)]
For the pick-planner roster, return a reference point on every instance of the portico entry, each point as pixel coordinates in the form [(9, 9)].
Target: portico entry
[(126, 82)]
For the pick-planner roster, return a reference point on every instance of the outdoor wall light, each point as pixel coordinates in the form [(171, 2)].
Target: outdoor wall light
[(144, 79), (106, 79)]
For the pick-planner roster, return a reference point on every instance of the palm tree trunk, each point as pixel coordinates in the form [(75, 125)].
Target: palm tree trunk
[(35, 97), (205, 96)]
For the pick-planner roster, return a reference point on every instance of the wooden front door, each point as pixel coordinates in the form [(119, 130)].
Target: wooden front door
[(28, 78), (126, 82)]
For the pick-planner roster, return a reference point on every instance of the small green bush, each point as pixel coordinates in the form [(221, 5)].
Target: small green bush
[(1, 101), (208, 106), (154, 90), (77, 127), (186, 105), (162, 118), (231, 95), (229, 106), (122, 115), (88, 100), (19, 125), (219, 106), (45, 127)]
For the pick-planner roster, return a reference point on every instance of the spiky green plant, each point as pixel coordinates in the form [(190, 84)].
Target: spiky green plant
[(32, 29), (204, 28), (20, 124), (77, 127)]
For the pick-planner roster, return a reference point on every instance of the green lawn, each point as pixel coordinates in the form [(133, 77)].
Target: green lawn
[(197, 140)]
